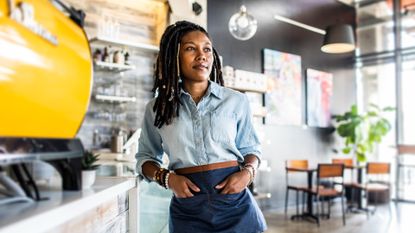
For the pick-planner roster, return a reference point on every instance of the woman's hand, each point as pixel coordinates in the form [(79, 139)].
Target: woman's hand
[(235, 183), (181, 186)]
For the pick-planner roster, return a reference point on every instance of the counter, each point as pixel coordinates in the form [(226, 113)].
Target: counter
[(104, 206), (154, 200)]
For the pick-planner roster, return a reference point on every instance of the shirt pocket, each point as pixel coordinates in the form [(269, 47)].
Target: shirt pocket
[(223, 127)]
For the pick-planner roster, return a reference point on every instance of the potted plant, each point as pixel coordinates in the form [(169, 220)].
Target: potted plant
[(362, 132), (89, 168)]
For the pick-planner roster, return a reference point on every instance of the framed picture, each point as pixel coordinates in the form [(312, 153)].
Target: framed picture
[(319, 92), (283, 98)]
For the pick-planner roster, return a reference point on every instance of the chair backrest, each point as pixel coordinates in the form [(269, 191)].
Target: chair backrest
[(377, 168), (330, 175), (348, 162), (330, 170), (295, 164), (298, 164)]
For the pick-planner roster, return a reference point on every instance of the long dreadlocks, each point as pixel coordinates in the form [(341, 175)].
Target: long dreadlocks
[(167, 72)]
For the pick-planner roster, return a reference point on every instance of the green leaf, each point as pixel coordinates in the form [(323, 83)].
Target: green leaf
[(361, 147), (373, 114), (385, 123), (361, 157), (374, 106), (89, 160), (361, 132), (388, 109), (348, 141), (354, 109), (346, 150)]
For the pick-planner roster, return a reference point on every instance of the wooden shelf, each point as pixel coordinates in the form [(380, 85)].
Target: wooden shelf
[(136, 45), (107, 66), (113, 98)]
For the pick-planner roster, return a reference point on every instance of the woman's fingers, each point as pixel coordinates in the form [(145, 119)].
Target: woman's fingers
[(222, 184), (182, 186), (187, 193), (192, 186), (234, 183)]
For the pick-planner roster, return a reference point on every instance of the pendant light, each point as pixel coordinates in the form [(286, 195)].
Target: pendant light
[(339, 38), (242, 25)]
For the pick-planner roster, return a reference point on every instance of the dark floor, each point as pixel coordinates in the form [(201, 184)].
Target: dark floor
[(400, 220)]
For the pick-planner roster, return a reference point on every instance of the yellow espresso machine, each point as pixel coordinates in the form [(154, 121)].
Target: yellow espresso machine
[(45, 87)]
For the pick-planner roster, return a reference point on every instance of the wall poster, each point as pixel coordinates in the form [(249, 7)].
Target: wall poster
[(319, 92), (283, 98)]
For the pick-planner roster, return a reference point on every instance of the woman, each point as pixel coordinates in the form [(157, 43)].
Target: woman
[(206, 131)]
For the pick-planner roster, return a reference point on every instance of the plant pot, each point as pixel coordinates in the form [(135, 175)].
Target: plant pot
[(88, 178)]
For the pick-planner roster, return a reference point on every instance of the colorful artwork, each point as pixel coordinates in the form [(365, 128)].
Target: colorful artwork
[(319, 92), (283, 98)]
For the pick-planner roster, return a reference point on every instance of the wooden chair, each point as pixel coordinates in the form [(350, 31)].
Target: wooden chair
[(346, 161), (292, 166), (404, 152), (333, 173), (348, 164), (378, 181), (349, 184)]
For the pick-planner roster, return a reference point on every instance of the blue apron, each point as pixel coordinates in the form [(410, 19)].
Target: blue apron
[(209, 211)]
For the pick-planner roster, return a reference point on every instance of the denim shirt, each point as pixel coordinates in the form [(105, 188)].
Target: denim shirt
[(217, 129)]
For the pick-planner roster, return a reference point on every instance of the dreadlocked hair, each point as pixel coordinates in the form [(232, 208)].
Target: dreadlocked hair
[(166, 74)]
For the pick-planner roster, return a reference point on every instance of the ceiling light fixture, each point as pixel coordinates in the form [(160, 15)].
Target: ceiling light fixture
[(338, 38), (242, 25)]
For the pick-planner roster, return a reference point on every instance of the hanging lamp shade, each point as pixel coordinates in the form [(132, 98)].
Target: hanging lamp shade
[(338, 39), (242, 25)]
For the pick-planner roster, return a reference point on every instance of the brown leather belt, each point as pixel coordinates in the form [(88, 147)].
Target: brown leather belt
[(207, 167)]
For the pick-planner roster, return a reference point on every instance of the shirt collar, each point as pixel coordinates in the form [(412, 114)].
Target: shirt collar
[(213, 89)]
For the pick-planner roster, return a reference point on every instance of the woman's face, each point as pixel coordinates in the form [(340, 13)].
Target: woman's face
[(196, 57)]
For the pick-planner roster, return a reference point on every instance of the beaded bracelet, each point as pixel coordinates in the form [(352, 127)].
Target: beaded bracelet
[(163, 178), (253, 168), (158, 177), (166, 180), (251, 174)]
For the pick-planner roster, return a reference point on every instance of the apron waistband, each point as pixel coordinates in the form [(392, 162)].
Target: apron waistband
[(207, 167)]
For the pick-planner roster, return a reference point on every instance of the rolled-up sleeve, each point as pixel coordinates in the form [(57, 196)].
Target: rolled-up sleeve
[(150, 143), (247, 140)]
